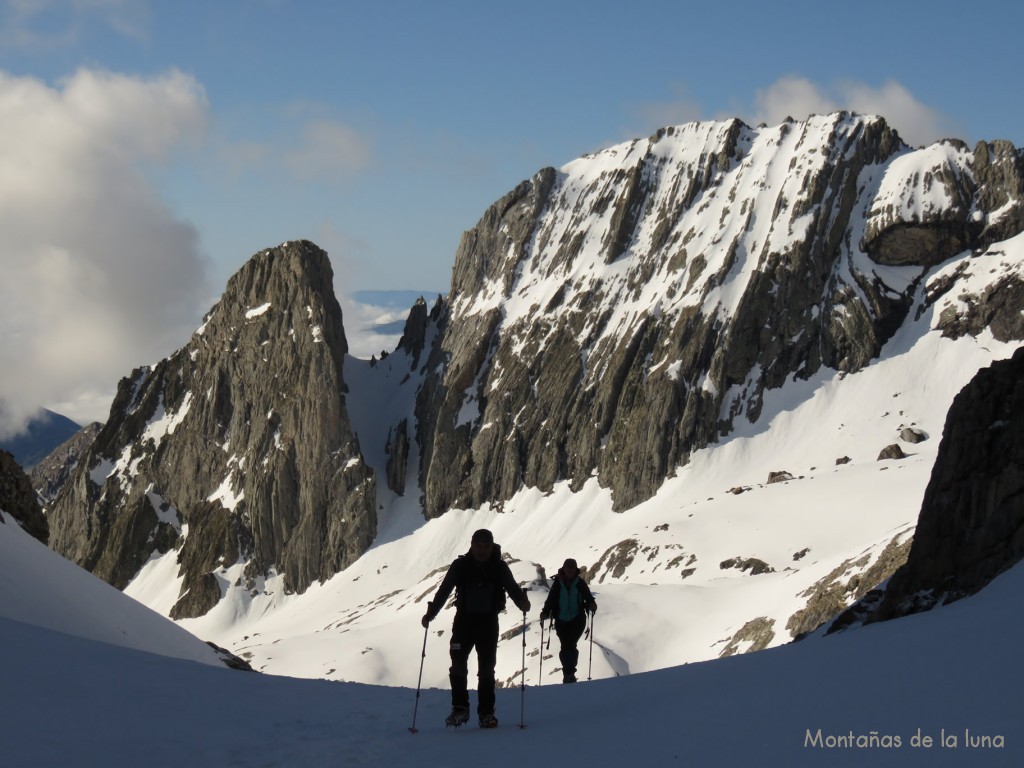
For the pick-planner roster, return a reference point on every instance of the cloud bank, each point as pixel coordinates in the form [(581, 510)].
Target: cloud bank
[(47, 25), (99, 276), (797, 97), (317, 150)]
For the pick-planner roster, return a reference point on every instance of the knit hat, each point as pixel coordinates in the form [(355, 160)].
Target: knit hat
[(483, 536), (570, 564)]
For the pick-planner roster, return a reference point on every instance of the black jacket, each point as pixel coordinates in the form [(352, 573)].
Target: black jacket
[(480, 587)]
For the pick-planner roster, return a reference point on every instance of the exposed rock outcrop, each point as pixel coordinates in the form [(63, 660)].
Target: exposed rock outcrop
[(913, 435), (971, 526), (891, 452), (755, 565), (241, 439), (756, 635), (51, 474), (846, 584), (18, 499), (398, 457)]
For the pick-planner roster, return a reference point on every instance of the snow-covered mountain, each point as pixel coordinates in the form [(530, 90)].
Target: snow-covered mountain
[(610, 318), (683, 361)]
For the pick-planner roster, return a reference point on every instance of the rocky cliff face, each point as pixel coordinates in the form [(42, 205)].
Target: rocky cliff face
[(613, 316), (51, 474), (18, 499), (971, 526), (236, 450)]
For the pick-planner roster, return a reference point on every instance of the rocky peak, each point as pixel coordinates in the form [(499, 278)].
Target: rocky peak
[(414, 333), (236, 450), (999, 177)]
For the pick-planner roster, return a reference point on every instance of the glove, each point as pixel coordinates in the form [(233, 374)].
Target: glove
[(544, 616), (525, 605), (425, 621), (592, 607)]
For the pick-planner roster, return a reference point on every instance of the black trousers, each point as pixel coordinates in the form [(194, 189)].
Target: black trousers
[(481, 632), (569, 633)]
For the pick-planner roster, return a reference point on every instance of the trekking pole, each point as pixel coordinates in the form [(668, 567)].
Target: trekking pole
[(540, 672), (590, 663), (522, 683), (419, 682)]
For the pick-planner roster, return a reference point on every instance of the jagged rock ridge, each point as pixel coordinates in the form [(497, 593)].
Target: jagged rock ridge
[(236, 450)]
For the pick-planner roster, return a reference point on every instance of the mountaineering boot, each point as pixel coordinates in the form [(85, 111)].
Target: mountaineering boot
[(488, 720), (459, 716), (569, 676)]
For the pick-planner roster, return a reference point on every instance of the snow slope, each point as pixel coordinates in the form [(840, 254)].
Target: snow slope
[(39, 588), (866, 697)]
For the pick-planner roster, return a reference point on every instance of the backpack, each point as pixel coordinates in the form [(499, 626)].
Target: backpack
[(479, 590), (571, 608)]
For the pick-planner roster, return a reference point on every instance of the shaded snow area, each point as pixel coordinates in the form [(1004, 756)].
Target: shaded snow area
[(40, 588), (866, 697)]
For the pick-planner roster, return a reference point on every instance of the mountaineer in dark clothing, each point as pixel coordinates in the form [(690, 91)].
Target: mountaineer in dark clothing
[(568, 602), (480, 579)]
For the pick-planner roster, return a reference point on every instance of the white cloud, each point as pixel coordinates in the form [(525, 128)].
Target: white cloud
[(99, 275), (917, 123), (328, 149), (41, 25), (794, 97), (317, 150), (679, 109), (799, 97)]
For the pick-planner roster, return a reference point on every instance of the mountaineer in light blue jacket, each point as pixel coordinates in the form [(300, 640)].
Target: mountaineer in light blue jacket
[(568, 603)]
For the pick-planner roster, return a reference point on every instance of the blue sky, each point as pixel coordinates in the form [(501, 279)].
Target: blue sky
[(152, 147)]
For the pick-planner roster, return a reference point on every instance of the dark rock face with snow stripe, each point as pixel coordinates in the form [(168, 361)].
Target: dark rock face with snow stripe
[(237, 449), (612, 317)]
